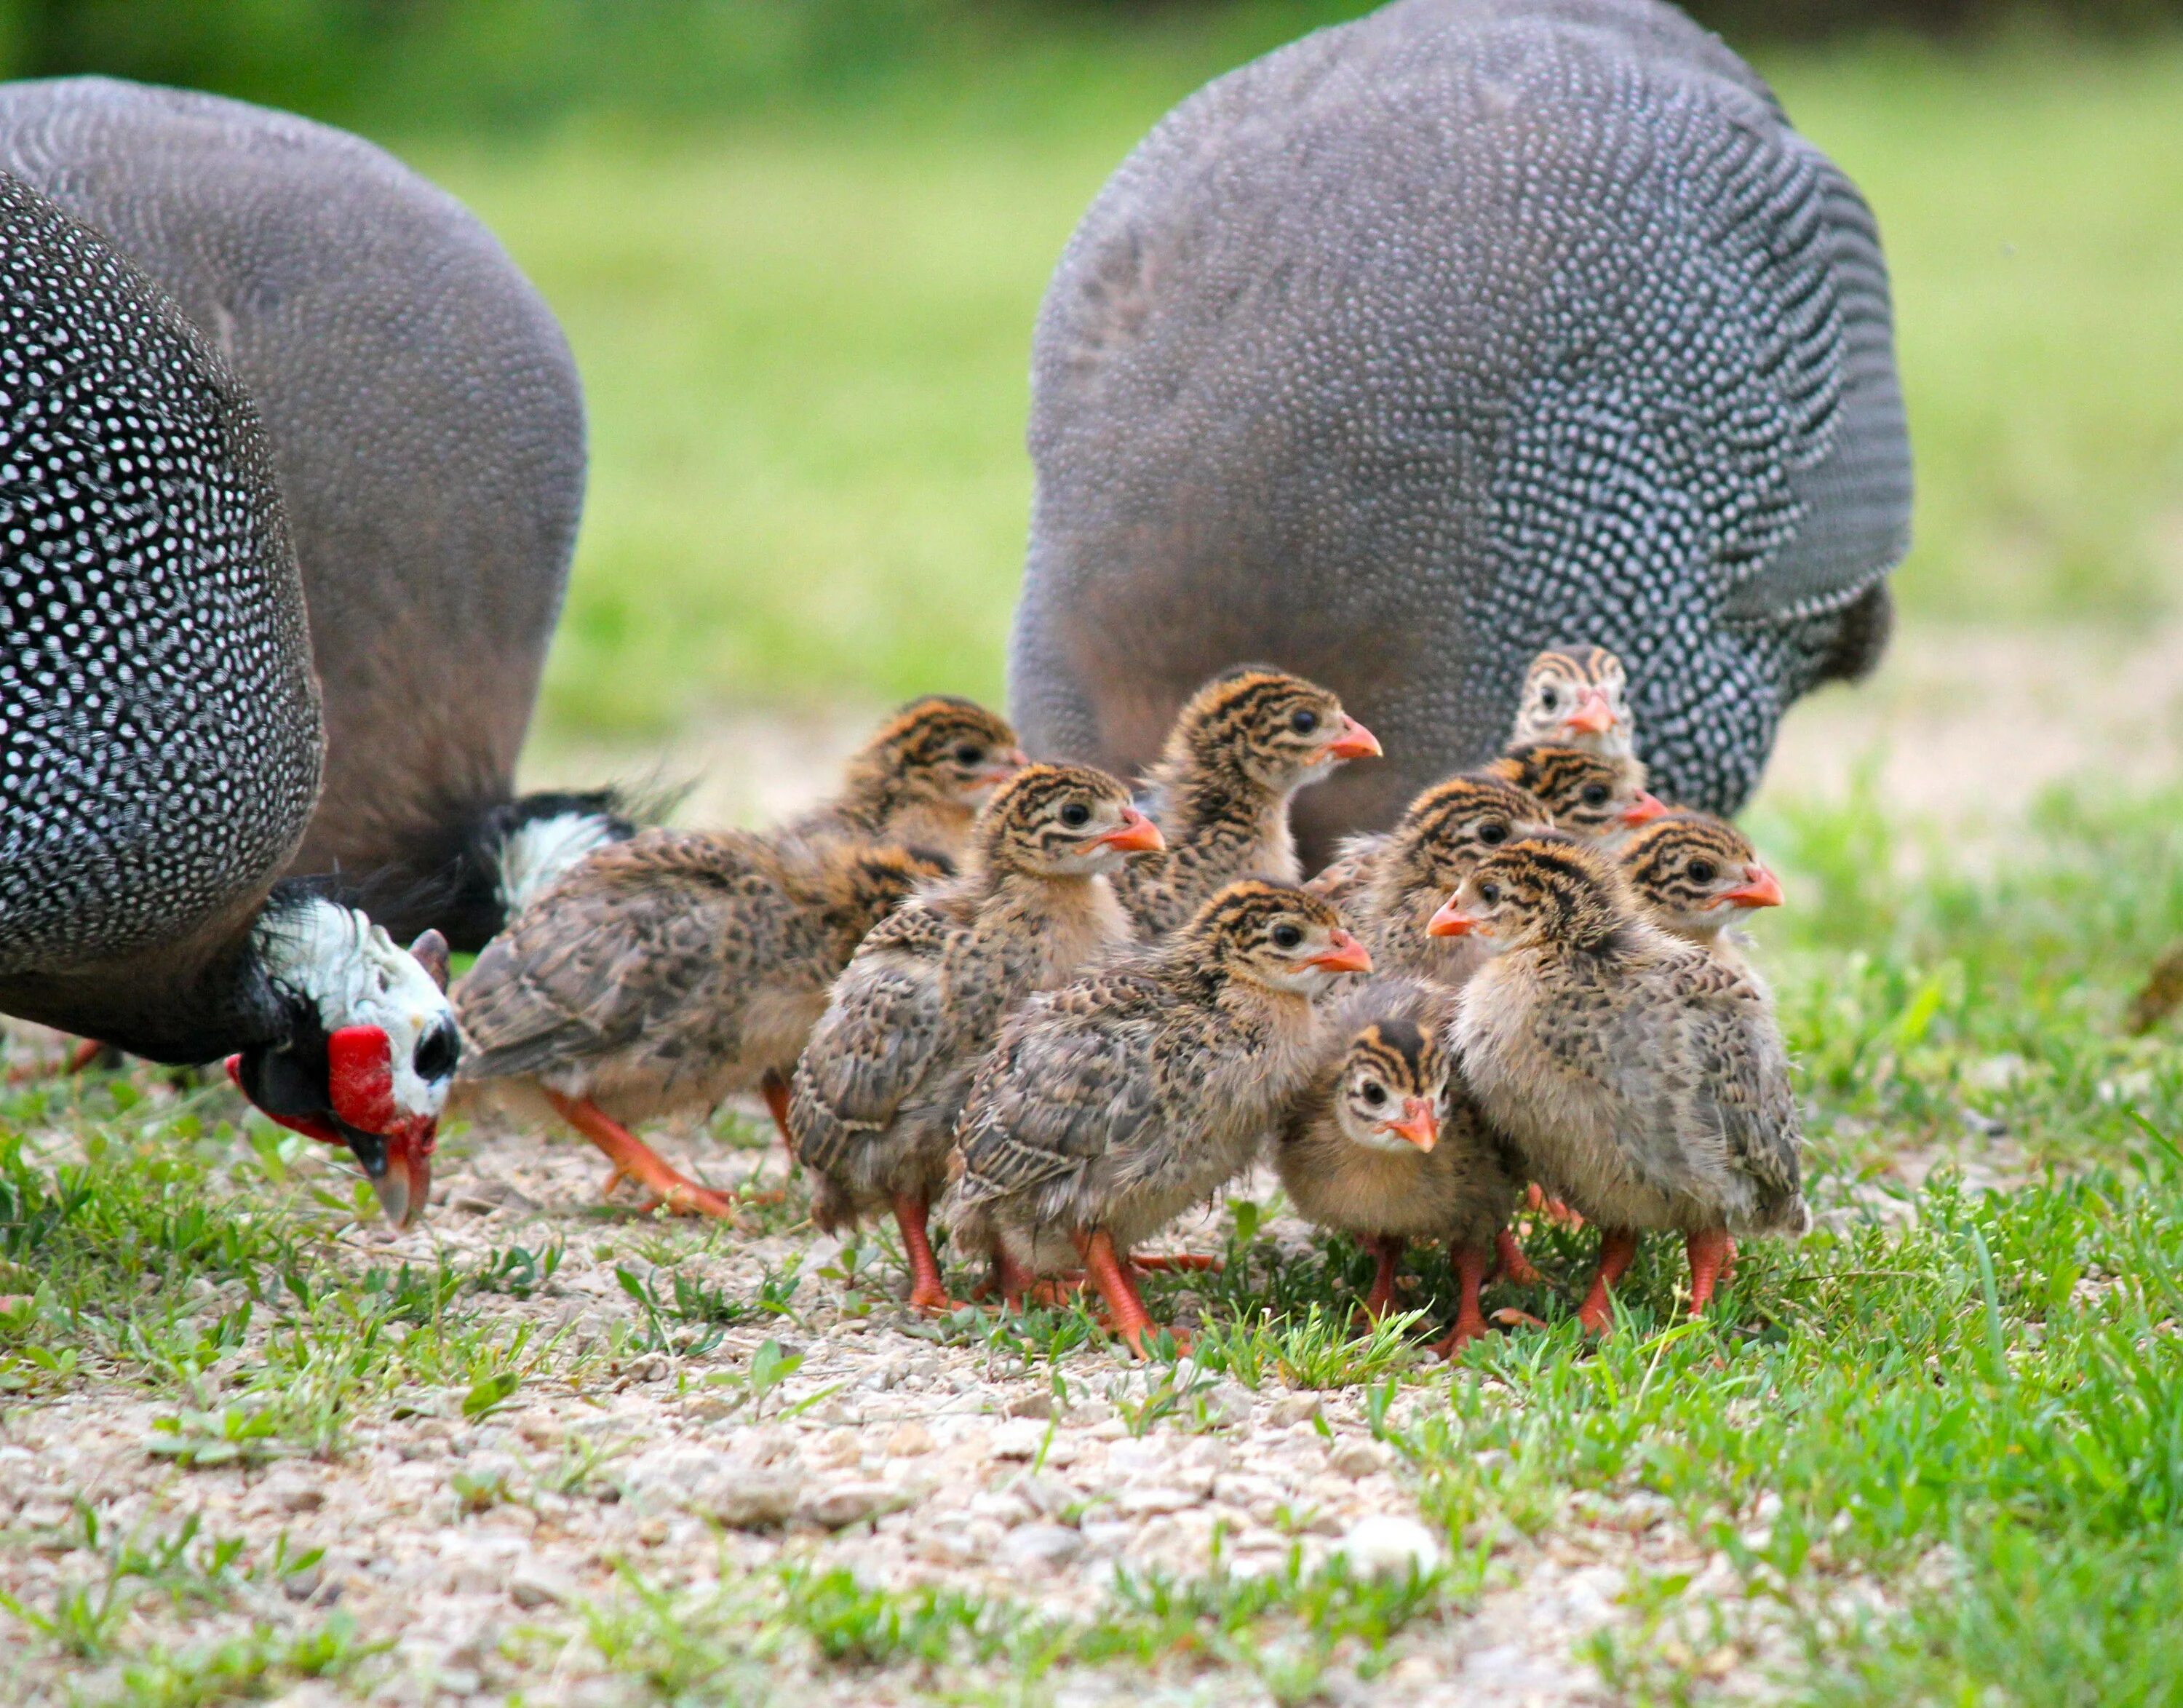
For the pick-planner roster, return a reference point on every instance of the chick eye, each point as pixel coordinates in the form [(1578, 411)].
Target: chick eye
[(1595, 795), (968, 755), (1286, 936), (435, 1054), (1493, 833), (1075, 814), (1489, 893), (1548, 699), (1374, 1093), (1304, 722), (1703, 871)]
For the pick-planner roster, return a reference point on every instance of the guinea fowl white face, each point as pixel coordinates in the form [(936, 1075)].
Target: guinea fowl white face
[(375, 1056), (1392, 1081), (1577, 700)]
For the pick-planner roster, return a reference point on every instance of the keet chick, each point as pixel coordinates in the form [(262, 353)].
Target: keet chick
[(662, 974), (1239, 751), (1600, 800), (1641, 1079), (1699, 877), (872, 1108), (1576, 696), (1388, 886), (1111, 1105), (1386, 1144), (921, 778)]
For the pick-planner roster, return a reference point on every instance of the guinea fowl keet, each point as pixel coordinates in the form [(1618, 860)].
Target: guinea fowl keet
[(1601, 799), (1385, 1144), (1576, 698), (1109, 1106), (873, 1105), (1241, 749), (1640, 1078), (1699, 877)]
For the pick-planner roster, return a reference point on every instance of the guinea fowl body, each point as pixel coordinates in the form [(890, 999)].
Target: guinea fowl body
[(160, 728), (1642, 1081), (1110, 1106), (426, 425), (1240, 749), (1436, 338), (873, 1105)]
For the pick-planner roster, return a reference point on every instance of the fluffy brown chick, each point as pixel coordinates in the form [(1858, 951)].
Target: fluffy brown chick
[(1576, 696), (921, 778), (1111, 1105), (1641, 1079), (1386, 1144), (1699, 877), (661, 975), (1239, 751), (1389, 885), (1600, 800), (873, 1105)]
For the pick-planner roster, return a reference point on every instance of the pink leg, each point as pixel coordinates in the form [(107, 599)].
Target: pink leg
[(1515, 1267), (1382, 1299), (927, 1292), (1471, 1262), (1111, 1276), (1617, 1250), (1707, 1252), (634, 1160)]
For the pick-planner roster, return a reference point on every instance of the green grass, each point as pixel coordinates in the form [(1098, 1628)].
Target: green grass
[(805, 342)]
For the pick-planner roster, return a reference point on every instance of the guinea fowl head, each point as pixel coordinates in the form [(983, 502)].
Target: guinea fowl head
[(1576, 698), (1392, 1083), (1274, 935), (1063, 821), (1545, 889), (1451, 826), (1588, 795), (1696, 873), (1263, 728), (369, 1048), (935, 752)]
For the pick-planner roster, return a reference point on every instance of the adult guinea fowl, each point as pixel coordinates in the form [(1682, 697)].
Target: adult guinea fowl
[(159, 731), (1466, 329), (427, 428)]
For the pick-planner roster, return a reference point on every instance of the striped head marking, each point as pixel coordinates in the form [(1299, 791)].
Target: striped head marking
[(1696, 873), (1275, 935), (1576, 696), (1552, 889), (1393, 1086), (942, 749), (1451, 826), (1587, 795), (1279, 731), (1063, 821)]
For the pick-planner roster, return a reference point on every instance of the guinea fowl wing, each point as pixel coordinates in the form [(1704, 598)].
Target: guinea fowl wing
[(1741, 1088)]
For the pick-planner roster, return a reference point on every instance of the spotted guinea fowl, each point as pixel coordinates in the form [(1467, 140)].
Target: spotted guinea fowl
[(872, 1105), (1244, 745), (1601, 799), (1576, 696), (1109, 1106), (1641, 1079), (1699, 877), (1388, 886), (1385, 1144), (160, 728)]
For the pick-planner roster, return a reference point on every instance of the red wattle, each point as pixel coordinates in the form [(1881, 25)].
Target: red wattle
[(360, 1077)]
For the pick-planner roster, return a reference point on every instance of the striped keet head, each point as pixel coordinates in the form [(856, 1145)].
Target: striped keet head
[(1576, 696), (1696, 873), (1392, 1085), (1547, 889), (371, 1047), (1451, 826), (939, 750), (1275, 935), (1587, 795), (1063, 821), (1278, 731)]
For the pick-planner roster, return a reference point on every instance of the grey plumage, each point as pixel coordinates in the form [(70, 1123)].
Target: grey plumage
[(425, 420), (1431, 340)]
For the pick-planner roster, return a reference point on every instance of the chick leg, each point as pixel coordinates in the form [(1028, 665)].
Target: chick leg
[(1112, 1277), (1177, 1262), (1471, 1262), (634, 1160), (1617, 1250), (1535, 1199), (927, 1292), (1382, 1299), (1516, 1269), (1708, 1253)]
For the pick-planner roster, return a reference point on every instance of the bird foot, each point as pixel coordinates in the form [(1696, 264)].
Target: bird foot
[(1468, 1327), (1510, 1317), (1516, 1269), (1173, 1262), (933, 1302)]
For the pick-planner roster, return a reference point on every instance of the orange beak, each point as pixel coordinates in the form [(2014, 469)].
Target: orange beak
[(1352, 740), (1343, 953), (1452, 921), (1763, 890), (1644, 810), (1135, 834), (1420, 1123), (1593, 715)]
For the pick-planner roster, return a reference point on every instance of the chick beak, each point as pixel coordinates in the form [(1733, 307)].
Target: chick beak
[(1763, 889), (1420, 1123), (1452, 921), (1352, 740), (1343, 953), (1644, 810), (1593, 715), (1135, 834)]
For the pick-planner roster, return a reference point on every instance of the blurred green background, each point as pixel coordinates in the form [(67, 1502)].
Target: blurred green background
[(798, 248)]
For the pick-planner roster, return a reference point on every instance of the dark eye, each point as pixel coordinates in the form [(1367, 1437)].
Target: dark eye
[(435, 1054), (1493, 833), (1595, 794), (1286, 936), (1703, 871), (1304, 722), (1374, 1093), (1075, 814), (1489, 893), (1548, 699), (968, 755)]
